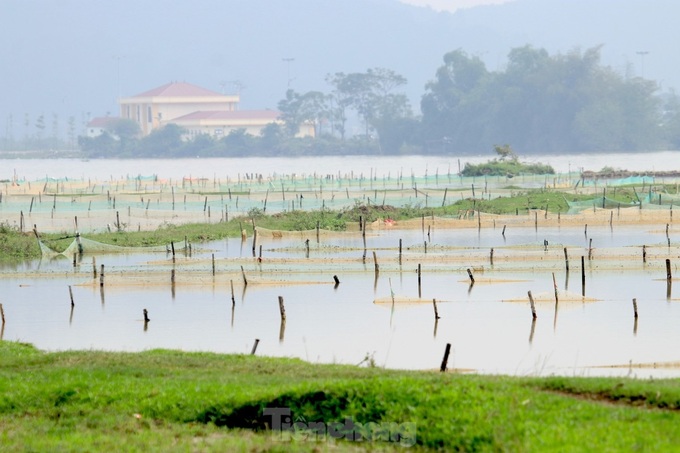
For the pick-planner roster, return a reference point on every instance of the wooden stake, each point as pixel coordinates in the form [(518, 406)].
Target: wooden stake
[(491, 256), (555, 286), (337, 281), (375, 262), (635, 308), (445, 361), (257, 341), (243, 273), (282, 310), (472, 278), (583, 274), (101, 277), (2, 315), (436, 313), (669, 276), (566, 259), (70, 292), (254, 237), (533, 307), (503, 232), (233, 300), (146, 316), (213, 264), (644, 253), (419, 286)]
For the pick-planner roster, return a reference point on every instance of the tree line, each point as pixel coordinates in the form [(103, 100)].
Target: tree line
[(539, 103)]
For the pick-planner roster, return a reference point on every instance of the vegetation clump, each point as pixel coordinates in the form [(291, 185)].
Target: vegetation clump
[(507, 164)]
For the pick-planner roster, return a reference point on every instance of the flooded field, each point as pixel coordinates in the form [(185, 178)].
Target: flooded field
[(404, 289), (388, 316)]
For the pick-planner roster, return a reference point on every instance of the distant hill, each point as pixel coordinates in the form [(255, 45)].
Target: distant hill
[(74, 58)]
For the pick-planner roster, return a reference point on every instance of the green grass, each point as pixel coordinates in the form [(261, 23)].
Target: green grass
[(511, 167), (174, 401)]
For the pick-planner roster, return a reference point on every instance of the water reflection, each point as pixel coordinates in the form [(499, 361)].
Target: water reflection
[(343, 324)]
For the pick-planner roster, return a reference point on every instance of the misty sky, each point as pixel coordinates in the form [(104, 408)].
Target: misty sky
[(73, 58), (452, 5)]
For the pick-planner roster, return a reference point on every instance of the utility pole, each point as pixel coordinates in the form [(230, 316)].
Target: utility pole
[(642, 54), (288, 61)]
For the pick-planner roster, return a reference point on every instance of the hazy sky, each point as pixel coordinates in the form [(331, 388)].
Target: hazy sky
[(452, 5)]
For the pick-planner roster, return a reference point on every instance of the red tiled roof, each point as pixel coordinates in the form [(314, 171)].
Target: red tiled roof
[(102, 121), (270, 115), (178, 89)]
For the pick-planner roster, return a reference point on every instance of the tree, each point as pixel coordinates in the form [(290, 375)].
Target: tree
[(505, 152), (162, 142), (127, 132), (455, 100), (371, 95), (540, 104), (40, 127), (297, 109)]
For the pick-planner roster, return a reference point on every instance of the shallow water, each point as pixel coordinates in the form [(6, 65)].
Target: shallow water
[(488, 333)]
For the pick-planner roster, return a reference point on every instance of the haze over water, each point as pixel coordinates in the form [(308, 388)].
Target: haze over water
[(34, 169)]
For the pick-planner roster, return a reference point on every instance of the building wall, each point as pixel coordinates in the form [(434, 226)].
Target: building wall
[(150, 113)]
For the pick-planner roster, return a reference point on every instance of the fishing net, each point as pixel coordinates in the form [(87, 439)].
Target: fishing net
[(81, 245)]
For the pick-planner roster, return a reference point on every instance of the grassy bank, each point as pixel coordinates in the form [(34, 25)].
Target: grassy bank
[(174, 401)]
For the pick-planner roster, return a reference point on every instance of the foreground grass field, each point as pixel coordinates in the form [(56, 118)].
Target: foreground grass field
[(174, 401)]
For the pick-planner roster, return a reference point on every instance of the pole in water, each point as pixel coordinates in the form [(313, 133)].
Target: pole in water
[(635, 311), (644, 253), (282, 309), (243, 273), (669, 276), (336, 280), (472, 278), (503, 232), (583, 276), (445, 360), (533, 307), (436, 313)]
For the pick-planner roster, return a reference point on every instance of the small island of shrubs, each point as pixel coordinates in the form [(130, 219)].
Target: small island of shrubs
[(507, 164)]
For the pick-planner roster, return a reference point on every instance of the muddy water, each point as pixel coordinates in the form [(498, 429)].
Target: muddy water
[(489, 324)]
